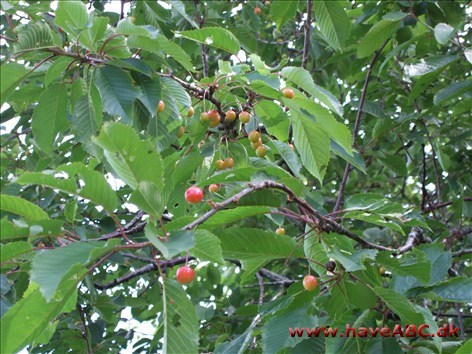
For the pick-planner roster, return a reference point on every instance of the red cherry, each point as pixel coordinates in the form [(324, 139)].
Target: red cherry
[(185, 275), (310, 282), (194, 195)]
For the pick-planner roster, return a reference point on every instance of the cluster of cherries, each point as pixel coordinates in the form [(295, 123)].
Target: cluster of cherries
[(194, 194), (185, 274)]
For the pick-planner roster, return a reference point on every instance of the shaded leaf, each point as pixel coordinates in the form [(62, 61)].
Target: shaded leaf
[(117, 90), (20, 206), (50, 116)]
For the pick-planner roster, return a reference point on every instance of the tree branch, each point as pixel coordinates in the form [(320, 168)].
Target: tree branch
[(347, 170), (443, 205), (82, 58), (198, 91), (84, 329), (306, 44), (415, 237), (462, 252), (319, 221)]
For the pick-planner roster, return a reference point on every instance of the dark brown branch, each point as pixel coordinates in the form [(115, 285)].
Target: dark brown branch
[(277, 278), (306, 44), (143, 270), (200, 19), (435, 164), (443, 205), (84, 329), (347, 170), (198, 91), (319, 221), (139, 258), (132, 227), (82, 58)]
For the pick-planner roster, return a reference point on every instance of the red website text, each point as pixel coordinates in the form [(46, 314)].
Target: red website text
[(406, 331)]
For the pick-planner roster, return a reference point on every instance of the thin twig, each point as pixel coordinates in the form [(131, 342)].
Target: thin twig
[(459, 319), (443, 205), (84, 329), (201, 20), (347, 170), (462, 252), (306, 44), (424, 192)]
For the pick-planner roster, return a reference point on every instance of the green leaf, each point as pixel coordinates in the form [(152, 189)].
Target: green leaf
[(214, 36), (175, 52), (237, 345), (264, 89), (373, 203), (336, 130), (333, 21), (465, 348), (95, 187), (452, 290), (274, 331), (22, 207), (21, 229), (312, 143), (207, 247), (303, 79), (178, 241), (176, 94), (118, 92), (290, 158), (229, 216), (355, 159), (147, 197), (34, 36), (31, 315), (88, 114), (127, 27), (49, 267), (94, 33), (377, 35), (72, 16), (254, 247), (429, 65), (415, 264), (181, 324), (452, 91), (443, 32), (352, 262), (132, 160), (150, 91), (50, 116), (12, 73), (14, 249), (56, 69), (283, 11), (400, 306), (273, 117)]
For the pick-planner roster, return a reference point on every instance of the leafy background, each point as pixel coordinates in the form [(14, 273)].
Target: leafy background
[(367, 166)]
